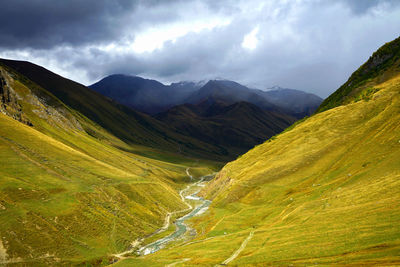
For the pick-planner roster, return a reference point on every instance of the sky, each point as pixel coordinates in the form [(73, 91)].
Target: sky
[(311, 45)]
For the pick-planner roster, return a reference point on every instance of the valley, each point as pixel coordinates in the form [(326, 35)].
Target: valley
[(324, 192), (130, 171), (190, 198), (70, 197)]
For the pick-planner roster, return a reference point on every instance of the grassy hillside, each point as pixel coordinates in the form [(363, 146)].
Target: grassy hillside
[(381, 66), (68, 197), (326, 191)]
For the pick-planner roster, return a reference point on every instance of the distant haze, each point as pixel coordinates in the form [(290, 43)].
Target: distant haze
[(311, 45)]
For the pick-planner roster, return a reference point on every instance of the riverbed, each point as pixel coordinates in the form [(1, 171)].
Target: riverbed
[(188, 196)]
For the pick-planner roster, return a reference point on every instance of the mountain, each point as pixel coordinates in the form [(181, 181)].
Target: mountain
[(125, 123), (295, 102), (146, 95), (292, 102), (152, 97), (83, 176), (236, 127), (325, 191), (229, 132), (229, 92), (143, 94), (71, 192)]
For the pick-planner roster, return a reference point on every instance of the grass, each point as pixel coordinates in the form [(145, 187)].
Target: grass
[(324, 192), (70, 198)]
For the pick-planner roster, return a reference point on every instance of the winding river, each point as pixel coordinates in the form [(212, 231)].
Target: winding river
[(181, 227)]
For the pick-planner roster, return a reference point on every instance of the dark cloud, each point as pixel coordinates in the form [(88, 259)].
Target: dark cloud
[(44, 24), (308, 45), (48, 23)]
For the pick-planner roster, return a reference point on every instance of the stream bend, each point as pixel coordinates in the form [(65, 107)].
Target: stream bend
[(181, 227)]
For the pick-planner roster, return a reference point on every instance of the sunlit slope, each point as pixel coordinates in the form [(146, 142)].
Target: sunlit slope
[(67, 196), (381, 66), (57, 202), (325, 191)]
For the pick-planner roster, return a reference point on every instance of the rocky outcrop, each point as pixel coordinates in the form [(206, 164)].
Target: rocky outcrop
[(23, 102), (9, 104)]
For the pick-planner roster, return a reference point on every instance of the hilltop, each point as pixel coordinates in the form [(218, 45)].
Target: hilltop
[(380, 67)]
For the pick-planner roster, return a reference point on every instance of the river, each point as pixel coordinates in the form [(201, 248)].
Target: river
[(181, 227)]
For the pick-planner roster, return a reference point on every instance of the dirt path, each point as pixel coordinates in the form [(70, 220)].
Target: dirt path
[(177, 262), (188, 174), (237, 252)]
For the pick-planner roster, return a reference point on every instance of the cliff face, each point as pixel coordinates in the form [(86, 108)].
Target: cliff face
[(27, 103), (9, 104)]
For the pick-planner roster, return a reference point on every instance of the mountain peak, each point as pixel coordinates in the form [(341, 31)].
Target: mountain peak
[(380, 67), (275, 87)]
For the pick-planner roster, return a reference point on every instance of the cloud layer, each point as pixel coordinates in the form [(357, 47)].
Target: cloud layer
[(313, 45)]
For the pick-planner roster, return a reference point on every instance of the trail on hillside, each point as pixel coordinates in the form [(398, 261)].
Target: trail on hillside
[(237, 252), (188, 174), (177, 262)]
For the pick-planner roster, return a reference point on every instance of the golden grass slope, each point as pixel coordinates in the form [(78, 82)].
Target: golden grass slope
[(67, 197), (325, 192)]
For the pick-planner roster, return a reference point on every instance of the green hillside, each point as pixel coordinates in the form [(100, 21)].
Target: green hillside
[(126, 124), (70, 191), (381, 66), (326, 191), (234, 128)]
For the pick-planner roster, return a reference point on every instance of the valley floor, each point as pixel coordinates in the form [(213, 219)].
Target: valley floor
[(195, 206)]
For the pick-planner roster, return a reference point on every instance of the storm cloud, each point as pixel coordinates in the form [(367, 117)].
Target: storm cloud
[(312, 45)]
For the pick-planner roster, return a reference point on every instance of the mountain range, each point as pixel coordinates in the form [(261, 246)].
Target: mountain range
[(221, 113), (138, 128), (153, 97)]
